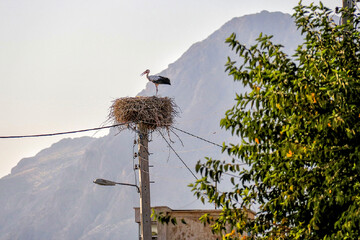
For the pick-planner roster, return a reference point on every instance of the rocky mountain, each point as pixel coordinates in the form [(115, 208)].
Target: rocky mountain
[(51, 195)]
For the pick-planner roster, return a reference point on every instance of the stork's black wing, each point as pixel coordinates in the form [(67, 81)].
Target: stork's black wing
[(160, 80)]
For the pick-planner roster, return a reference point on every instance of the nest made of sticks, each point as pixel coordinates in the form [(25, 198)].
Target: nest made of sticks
[(153, 112)]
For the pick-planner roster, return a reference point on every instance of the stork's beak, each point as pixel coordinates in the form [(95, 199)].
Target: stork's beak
[(142, 73)]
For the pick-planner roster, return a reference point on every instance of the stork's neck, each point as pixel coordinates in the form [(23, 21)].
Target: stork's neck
[(147, 76)]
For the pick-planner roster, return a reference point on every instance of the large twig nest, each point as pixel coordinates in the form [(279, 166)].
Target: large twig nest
[(153, 112)]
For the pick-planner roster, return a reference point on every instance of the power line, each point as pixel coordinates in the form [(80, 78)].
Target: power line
[(178, 155), (60, 133), (232, 175), (203, 139)]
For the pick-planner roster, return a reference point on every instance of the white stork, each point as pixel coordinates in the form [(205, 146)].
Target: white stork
[(156, 79)]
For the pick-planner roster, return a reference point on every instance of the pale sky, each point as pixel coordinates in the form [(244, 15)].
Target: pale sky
[(63, 62)]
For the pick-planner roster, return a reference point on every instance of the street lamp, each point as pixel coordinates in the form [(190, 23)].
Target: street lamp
[(105, 182)]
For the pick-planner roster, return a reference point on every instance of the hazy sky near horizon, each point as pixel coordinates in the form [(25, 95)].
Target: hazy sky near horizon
[(62, 63)]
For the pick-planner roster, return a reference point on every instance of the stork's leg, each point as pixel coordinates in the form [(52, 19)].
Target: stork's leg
[(156, 89)]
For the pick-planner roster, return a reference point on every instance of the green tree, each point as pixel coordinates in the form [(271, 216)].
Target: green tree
[(299, 125)]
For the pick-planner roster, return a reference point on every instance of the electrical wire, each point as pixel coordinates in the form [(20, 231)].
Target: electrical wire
[(231, 175), (203, 139), (111, 126), (178, 156), (60, 133)]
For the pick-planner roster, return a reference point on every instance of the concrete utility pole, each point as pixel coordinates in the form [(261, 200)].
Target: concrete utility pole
[(144, 182), (346, 4)]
